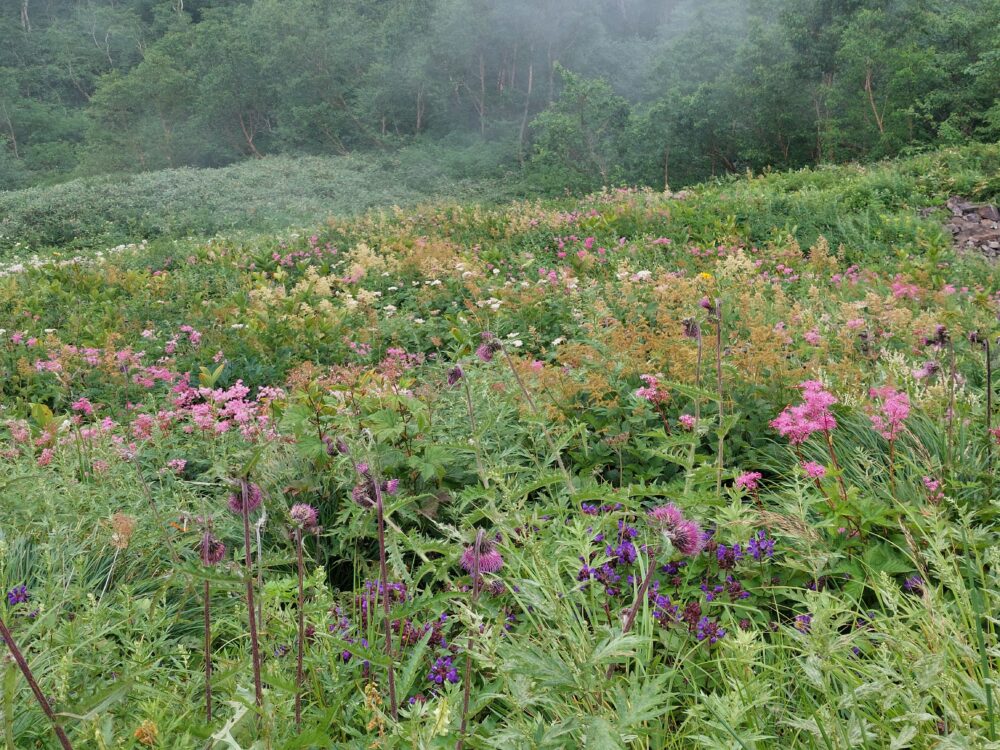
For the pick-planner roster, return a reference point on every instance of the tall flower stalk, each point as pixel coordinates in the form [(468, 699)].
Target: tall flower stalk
[(304, 518), (33, 684), (212, 551), (386, 607), (480, 558), (248, 500), (718, 378)]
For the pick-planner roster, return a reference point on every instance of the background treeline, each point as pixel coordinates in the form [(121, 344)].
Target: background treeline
[(567, 93)]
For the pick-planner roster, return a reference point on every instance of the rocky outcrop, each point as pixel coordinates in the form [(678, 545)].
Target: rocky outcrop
[(974, 226)]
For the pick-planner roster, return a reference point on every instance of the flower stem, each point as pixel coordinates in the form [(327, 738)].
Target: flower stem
[(302, 632), (472, 426), (208, 652), (251, 612), (384, 573), (467, 682), (718, 368), (39, 695)]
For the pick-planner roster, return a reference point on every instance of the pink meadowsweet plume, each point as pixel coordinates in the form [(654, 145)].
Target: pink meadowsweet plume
[(176, 465), (748, 480), (934, 491), (490, 560), (687, 421), (652, 392), (813, 469), (83, 406), (894, 408), (685, 535), (797, 423)]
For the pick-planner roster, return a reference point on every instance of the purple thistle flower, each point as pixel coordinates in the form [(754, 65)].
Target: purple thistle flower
[(455, 374), (490, 560), (803, 623), (685, 535), (18, 595), (305, 517), (211, 549), (488, 348), (915, 585), (691, 328), (254, 498)]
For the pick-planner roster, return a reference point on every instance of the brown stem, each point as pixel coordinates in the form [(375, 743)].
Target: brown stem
[(384, 573), (640, 597), (251, 613), (718, 368), (302, 633), (467, 686), (39, 695)]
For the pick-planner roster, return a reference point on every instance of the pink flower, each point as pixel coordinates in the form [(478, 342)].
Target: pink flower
[(176, 465), (490, 561), (687, 421), (46, 457), (83, 405), (813, 469), (812, 337), (934, 492), (895, 408), (797, 423), (142, 427), (685, 535), (748, 480), (652, 392)]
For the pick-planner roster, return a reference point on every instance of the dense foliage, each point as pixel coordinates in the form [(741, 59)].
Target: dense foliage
[(581, 91), (639, 470)]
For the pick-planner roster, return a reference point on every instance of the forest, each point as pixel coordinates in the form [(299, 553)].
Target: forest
[(553, 93)]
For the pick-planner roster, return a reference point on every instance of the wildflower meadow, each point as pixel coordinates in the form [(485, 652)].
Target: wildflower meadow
[(634, 470)]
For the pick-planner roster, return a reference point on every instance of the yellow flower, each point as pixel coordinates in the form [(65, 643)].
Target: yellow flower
[(705, 275)]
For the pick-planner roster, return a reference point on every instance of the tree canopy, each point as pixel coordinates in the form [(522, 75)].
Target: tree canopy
[(575, 93)]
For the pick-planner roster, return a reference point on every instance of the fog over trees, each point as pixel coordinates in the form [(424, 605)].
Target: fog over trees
[(565, 93)]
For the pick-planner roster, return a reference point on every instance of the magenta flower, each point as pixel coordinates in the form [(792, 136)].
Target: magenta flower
[(488, 348), (813, 469), (894, 409), (652, 392), (254, 498), (748, 480), (490, 560), (211, 549), (798, 423), (687, 421), (84, 406), (685, 535)]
